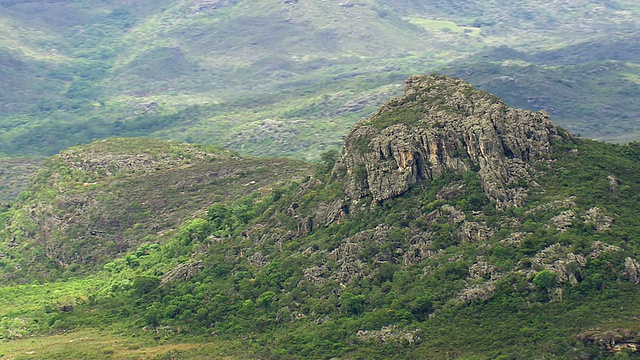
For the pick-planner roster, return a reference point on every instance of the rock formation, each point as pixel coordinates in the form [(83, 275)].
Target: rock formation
[(444, 124)]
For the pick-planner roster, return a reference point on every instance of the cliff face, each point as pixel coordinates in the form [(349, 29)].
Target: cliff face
[(441, 124)]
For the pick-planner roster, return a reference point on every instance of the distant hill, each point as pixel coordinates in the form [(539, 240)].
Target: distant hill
[(288, 78)]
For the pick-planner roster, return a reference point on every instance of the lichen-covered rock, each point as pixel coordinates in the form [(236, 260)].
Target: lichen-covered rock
[(596, 217), (611, 339), (562, 221), (183, 272), (444, 124), (632, 270), (473, 231)]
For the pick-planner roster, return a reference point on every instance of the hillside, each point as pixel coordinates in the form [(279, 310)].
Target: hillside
[(15, 173), (93, 203), (450, 226), (289, 78)]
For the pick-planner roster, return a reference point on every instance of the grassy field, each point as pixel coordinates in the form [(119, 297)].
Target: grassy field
[(105, 344)]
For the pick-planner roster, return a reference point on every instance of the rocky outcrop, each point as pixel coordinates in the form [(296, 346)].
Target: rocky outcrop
[(632, 270), (563, 221), (444, 124), (613, 340), (613, 182), (482, 270), (476, 292), (388, 334), (420, 248), (566, 265), (183, 272), (473, 231), (554, 205), (596, 217)]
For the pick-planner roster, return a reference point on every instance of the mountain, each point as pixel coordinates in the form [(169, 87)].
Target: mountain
[(450, 226), (289, 78)]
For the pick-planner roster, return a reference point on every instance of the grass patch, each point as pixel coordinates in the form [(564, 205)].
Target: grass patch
[(96, 344)]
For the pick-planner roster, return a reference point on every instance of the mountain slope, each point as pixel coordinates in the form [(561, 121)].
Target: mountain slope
[(450, 226), (222, 71)]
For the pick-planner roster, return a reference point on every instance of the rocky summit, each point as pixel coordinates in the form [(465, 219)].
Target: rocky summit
[(444, 124)]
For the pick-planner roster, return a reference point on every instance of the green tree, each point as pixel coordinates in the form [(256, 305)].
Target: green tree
[(545, 279)]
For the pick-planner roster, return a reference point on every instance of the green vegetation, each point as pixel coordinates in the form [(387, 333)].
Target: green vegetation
[(244, 271), (108, 197), (15, 173), (141, 248)]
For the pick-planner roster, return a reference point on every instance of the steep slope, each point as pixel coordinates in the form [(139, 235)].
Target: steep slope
[(450, 226)]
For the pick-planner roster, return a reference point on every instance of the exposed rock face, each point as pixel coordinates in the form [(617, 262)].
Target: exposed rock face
[(473, 231), (183, 272), (562, 221), (567, 266), (632, 270), (350, 263), (389, 334), (596, 217), (613, 340), (482, 269), (613, 182), (477, 292), (444, 124)]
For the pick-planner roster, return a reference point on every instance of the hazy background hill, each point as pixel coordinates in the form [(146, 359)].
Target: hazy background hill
[(290, 77)]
